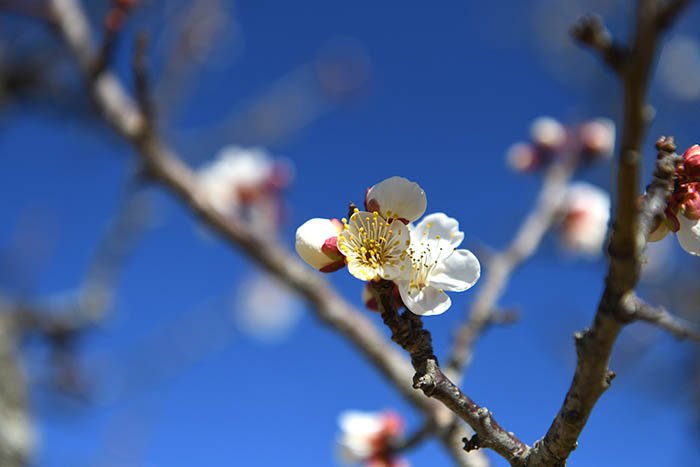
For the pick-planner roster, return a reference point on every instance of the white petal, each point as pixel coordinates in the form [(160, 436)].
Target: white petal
[(689, 235), (359, 423), (439, 226), (397, 197), (457, 273), (428, 301), (311, 236)]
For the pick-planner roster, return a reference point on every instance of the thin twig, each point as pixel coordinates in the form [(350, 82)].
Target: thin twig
[(501, 266), (639, 310)]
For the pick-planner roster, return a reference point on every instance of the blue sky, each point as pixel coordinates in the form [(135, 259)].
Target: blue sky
[(450, 87)]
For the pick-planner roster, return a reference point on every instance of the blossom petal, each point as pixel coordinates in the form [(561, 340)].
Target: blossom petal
[(456, 273), (428, 301), (438, 226), (397, 197), (689, 235)]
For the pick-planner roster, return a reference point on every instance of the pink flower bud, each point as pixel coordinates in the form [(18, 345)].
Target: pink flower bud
[(547, 133), (316, 243), (691, 201), (691, 163), (597, 138), (522, 157)]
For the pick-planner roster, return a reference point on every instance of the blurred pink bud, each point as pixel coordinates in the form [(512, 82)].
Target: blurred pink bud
[(547, 133), (522, 157), (597, 137)]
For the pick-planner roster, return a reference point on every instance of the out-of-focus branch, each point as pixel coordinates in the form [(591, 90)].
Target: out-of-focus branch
[(29, 8), (639, 310), (16, 435), (591, 31), (162, 164), (501, 266), (594, 346)]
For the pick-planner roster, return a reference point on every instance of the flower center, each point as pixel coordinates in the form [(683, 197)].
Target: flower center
[(426, 253), (370, 240)]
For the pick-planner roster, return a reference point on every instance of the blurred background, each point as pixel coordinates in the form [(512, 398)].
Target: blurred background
[(187, 354)]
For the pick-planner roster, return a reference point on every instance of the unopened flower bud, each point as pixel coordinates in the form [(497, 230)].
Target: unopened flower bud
[(547, 133), (597, 138), (658, 231), (691, 162), (522, 157), (316, 243)]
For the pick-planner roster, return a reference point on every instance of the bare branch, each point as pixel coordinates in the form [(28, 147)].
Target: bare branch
[(591, 31), (639, 310), (407, 331), (594, 346), (501, 266), (126, 118)]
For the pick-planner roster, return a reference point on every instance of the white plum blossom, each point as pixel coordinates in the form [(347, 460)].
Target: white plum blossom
[(436, 266), (547, 133), (374, 247), (316, 244), (397, 197), (364, 437), (586, 212), (423, 261)]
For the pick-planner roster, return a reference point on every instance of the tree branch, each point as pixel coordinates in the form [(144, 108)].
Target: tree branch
[(594, 346), (407, 331), (162, 164)]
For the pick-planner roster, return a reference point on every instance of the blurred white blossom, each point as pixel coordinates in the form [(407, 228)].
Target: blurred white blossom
[(265, 308), (365, 436), (245, 183), (585, 216)]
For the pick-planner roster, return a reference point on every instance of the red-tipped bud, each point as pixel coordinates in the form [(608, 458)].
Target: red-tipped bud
[(316, 243), (691, 163)]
